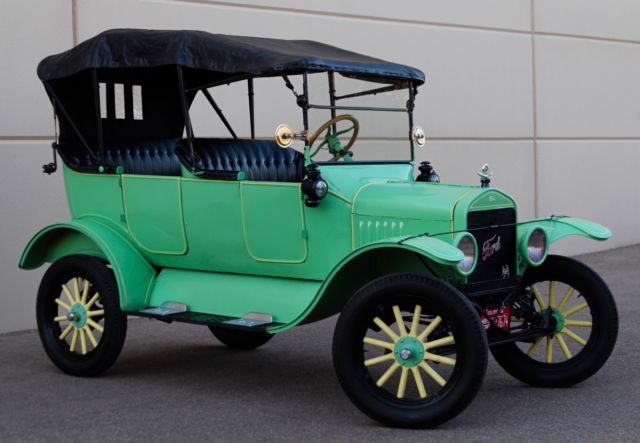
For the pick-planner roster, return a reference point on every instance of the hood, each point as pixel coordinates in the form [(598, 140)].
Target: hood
[(395, 209), (411, 200)]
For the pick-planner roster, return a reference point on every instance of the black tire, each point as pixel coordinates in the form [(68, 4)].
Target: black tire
[(104, 289), (236, 339), (599, 345), (436, 298)]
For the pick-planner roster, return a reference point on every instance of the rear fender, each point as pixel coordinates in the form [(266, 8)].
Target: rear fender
[(91, 236)]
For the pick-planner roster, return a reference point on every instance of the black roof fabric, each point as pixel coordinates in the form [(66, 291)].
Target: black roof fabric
[(223, 55)]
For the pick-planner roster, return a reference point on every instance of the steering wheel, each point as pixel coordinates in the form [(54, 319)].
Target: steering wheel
[(332, 141)]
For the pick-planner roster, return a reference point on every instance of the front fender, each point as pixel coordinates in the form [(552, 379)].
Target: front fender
[(560, 227), (430, 247), (556, 228), (91, 236), (383, 257)]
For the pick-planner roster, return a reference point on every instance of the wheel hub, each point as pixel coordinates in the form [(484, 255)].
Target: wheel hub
[(408, 351), (77, 316), (559, 318)]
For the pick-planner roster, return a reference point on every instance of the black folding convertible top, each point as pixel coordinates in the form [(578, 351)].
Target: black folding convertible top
[(221, 55), (91, 86)]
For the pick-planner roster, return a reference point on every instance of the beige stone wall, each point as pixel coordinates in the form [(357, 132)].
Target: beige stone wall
[(546, 91)]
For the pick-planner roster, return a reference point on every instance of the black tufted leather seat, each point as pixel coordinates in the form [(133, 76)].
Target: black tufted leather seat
[(149, 157), (260, 160)]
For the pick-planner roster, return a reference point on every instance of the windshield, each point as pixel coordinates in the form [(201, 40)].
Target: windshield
[(382, 118), (383, 133)]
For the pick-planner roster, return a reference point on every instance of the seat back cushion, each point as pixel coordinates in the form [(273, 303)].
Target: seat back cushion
[(260, 160), (148, 157)]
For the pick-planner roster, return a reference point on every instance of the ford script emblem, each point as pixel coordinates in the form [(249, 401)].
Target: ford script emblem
[(490, 247)]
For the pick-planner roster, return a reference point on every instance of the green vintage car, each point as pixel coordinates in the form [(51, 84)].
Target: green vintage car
[(252, 237)]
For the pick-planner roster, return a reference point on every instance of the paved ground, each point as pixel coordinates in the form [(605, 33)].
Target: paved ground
[(177, 383)]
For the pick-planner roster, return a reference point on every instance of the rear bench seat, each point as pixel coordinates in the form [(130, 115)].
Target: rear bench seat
[(260, 160), (149, 157)]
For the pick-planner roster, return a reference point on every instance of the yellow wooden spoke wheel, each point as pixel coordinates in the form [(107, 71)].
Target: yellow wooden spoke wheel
[(410, 351), (572, 317), (579, 314), (79, 318)]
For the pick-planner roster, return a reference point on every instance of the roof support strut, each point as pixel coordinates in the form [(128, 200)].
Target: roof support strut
[(216, 108), (251, 109), (332, 99), (187, 119), (57, 105), (96, 107), (304, 102), (410, 107)]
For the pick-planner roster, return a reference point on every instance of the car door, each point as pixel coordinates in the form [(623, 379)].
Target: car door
[(273, 221), (153, 213)]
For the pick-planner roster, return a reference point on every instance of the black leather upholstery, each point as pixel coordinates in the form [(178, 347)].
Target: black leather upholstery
[(260, 160), (149, 157)]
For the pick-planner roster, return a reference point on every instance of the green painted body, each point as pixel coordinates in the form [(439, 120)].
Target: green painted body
[(232, 247), (96, 236)]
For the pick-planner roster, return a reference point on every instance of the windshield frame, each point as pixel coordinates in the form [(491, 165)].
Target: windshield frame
[(303, 102)]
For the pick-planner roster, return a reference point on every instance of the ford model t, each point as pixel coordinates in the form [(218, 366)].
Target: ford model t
[(253, 236)]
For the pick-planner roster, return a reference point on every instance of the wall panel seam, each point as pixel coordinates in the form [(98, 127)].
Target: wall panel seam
[(350, 15), (399, 20), (534, 104), (74, 21), (429, 139), (531, 139), (595, 138), (587, 37), (25, 137)]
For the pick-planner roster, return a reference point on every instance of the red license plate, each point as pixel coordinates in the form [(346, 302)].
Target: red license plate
[(501, 319)]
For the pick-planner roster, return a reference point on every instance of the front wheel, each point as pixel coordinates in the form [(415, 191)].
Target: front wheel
[(78, 312), (410, 351), (586, 326)]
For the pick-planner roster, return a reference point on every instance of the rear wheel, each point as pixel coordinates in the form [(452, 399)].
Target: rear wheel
[(410, 351), (585, 322), (78, 313), (241, 339)]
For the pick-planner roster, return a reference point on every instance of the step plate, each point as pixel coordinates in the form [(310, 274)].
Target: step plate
[(199, 318)]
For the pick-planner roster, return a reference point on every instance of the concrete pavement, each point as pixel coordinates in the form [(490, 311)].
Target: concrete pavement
[(177, 383)]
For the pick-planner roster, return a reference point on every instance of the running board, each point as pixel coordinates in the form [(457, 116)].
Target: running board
[(247, 323)]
